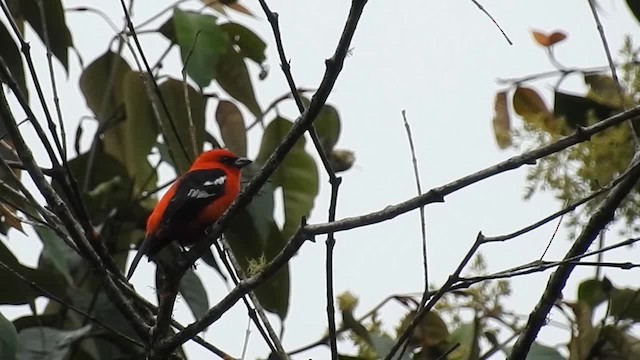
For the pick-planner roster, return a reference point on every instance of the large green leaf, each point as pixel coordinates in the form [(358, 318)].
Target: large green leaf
[(194, 293), (102, 83), (232, 127), (56, 343), (11, 56), (201, 41), (21, 292), (140, 130), (233, 77), (297, 175), (57, 254), (8, 339), (172, 92), (250, 44), (57, 31)]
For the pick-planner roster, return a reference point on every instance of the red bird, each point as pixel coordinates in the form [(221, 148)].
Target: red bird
[(196, 200)]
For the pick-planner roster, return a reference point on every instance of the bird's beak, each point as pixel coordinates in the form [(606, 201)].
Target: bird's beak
[(241, 162)]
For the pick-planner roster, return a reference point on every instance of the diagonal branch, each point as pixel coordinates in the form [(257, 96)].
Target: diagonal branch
[(602, 216), (438, 194)]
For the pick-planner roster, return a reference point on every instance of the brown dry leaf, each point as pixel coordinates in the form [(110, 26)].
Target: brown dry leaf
[(502, 121), (548, 40), (219, 6), (10, 217), (527, 102)]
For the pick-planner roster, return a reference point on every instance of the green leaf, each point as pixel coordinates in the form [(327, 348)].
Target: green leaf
[(250, 44), (297, 175), (199, 35), (140, 129), (592, 293), (13, 197), (57, 31), (634, 6), (21, 292), (57, 254), (56, 343), (194, 294), (109, 184), (382, 344), (604, 90), (250, 245), (172, 92), (11, 55), (467, 336), (327, 125), (8, 339), (233, 77), (232, 127), (101, 84), (625, 304), (541, 352)]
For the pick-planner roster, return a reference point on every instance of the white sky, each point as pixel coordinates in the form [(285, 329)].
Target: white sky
[(439, 60)]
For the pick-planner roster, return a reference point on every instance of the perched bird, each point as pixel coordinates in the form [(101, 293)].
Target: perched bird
[(196, 200)]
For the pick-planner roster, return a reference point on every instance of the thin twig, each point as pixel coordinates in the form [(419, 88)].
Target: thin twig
[(187, 102), (493, 20), (333, 179)]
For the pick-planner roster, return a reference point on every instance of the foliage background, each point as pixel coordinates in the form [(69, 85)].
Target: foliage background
[(439, 61)]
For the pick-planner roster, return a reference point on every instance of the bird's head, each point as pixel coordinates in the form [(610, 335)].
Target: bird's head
[(217, 157)]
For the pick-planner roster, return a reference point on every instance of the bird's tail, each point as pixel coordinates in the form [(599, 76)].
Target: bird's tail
[(144, 249)]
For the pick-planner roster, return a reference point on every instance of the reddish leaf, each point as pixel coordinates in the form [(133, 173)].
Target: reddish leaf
[(550, 39)]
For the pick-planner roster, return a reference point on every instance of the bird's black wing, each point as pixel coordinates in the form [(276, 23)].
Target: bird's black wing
[(194, 192)]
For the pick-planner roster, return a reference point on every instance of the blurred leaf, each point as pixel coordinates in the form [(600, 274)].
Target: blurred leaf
[(501, 120), (56, 343), (199, 35), (297, 175), (232, 127), (251, 45), (625, 304), (467, 335), (355, 326), (16, 13), (604, 90), (382, 345), (341, 159), (233, 77), (172, 92), (10, 53), (8, 339), (140, 129), (619, 344), (575, 109), (9, 217), (541, 352), (21, 292), (527, 102), (218, 5), (548, 40), (194, 293), (57, 31), (327, 125), (634, 6), (592, 293), (12, 197)]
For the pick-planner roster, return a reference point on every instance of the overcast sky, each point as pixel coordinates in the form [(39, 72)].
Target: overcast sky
[(439, 60)]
